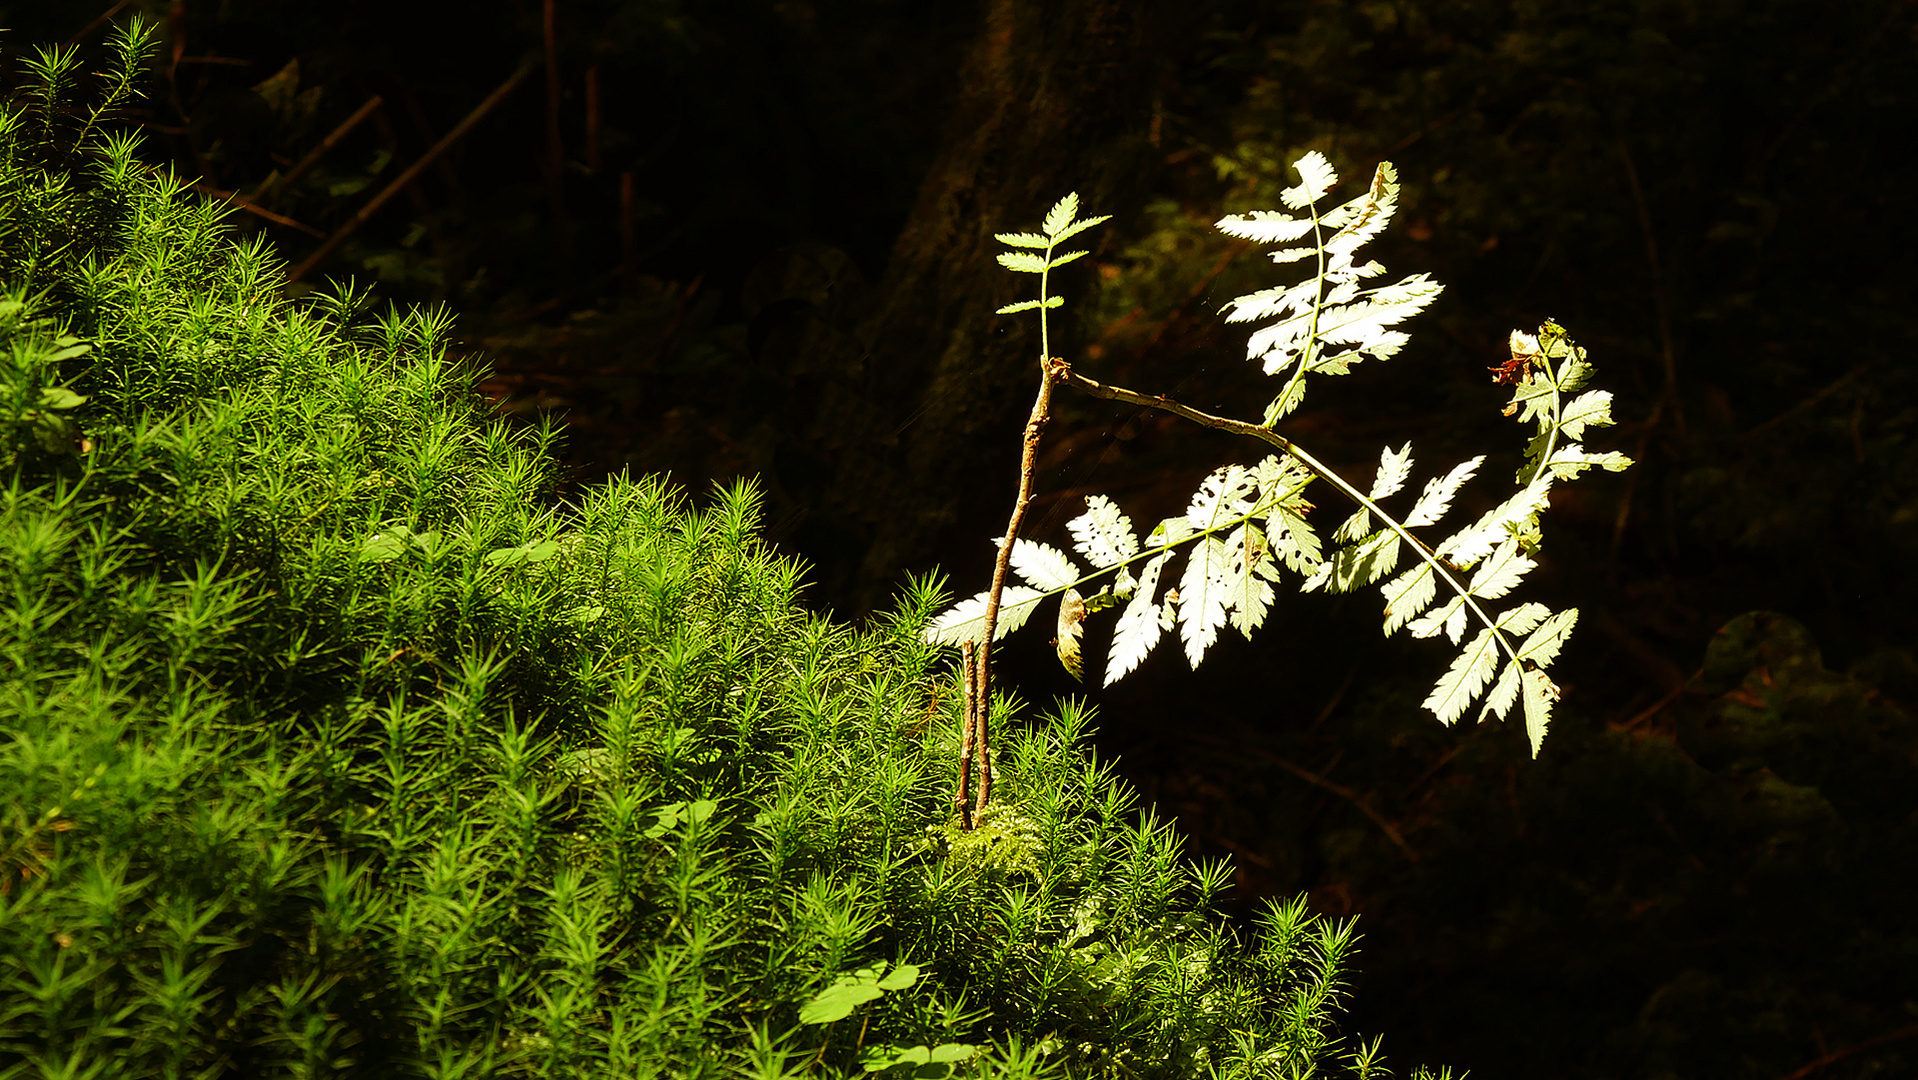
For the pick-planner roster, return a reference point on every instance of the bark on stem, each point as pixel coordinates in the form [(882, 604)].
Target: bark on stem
[(968, 711), (1051, 370)]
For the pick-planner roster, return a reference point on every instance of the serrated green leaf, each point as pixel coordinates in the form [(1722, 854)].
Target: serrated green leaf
[(1568, 462), (1542, 646), (1501, 572), (1590, 409), (1202, 598), (1540, 693), (1393, 470), (1023, 305), (1023, 239), (1438, 494), (1315, 179), (1138, 628), (1266, 227), (1364, 563), (1025, 262), (1103, 534), (1461, 683), (1430, 623), (1408, 594), (1078, 227), (966, 620), (1059, 218), (1504, 693), (1070, 256), (1043, 566)]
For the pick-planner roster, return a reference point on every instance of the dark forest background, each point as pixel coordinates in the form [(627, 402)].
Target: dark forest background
[(753, 237)]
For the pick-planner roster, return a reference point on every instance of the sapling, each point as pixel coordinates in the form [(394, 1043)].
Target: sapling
[(1247, 526)]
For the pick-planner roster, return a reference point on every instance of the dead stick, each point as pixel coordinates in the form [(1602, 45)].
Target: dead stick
[(251, 207), (1840, 1055), (967, 726), (592, 118), (555, 150), (332, 139), (366, 212), (982, 743), (1051, 370), (95, 24)]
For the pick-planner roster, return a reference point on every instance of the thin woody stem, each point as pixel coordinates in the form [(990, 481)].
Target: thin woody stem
[(1050, 371), (1267, 435), (968, 725), (982, 743)]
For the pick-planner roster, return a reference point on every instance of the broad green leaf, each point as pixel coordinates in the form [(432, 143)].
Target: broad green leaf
[(900, 977), (837, 1002), (382, 548), (532, 552), (59, 397)]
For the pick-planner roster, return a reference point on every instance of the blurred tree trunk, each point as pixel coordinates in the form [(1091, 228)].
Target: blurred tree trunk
[(915, 413)]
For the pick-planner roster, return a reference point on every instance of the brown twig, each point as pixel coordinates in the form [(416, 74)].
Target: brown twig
[(1659, 306), (372, 207), (1363, 802), (1051, 370), (332, 139), (968, 726), (1840, 1055), (592, 118), (97, 22), (555, 149), (256, 209)]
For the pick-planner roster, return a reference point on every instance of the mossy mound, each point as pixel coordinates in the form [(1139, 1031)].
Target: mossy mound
[(328, 746)]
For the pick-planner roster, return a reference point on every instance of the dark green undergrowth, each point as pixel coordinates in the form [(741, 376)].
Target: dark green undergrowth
[(330, 746)]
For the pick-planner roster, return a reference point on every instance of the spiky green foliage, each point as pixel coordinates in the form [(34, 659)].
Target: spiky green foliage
[(1246, 526), (327, 748)]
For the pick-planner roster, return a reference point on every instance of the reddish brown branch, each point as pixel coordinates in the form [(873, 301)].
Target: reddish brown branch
[(400, 182)]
